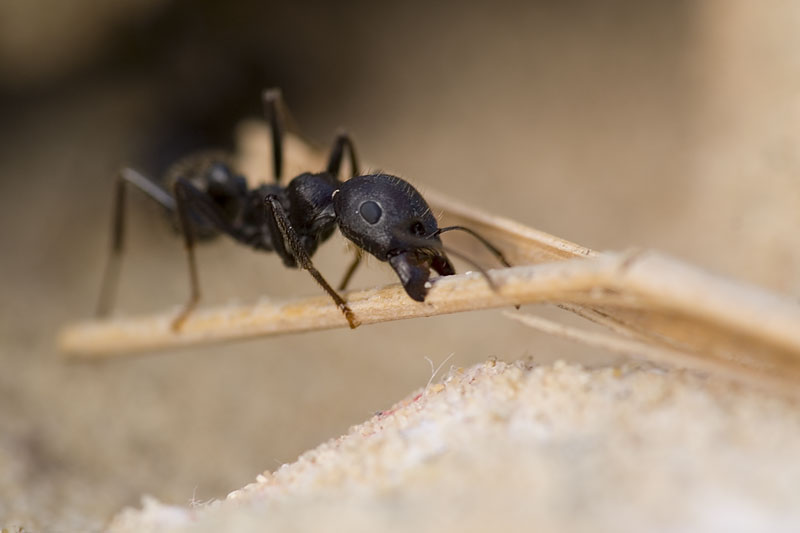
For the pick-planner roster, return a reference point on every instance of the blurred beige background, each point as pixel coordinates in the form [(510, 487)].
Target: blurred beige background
[(671, 125)]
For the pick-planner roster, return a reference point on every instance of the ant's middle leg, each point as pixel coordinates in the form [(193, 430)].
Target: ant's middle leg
[(127, 176), (188, 197), (342, 142), (276, 213), (274, 110)]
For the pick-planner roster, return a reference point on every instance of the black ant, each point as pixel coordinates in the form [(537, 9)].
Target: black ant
[(382, 214)]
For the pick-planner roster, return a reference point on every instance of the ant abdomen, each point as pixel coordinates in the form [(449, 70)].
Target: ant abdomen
[(214, 174)]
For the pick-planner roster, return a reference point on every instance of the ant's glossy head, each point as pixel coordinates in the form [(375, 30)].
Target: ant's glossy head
[(387, 217)]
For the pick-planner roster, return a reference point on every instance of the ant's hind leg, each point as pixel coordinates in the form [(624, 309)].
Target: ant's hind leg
[(342, 142), (273, 108), (111, 274), (276, 213)]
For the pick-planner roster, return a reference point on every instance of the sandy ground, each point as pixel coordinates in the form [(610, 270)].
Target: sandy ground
[(671, 128), (516, 447)]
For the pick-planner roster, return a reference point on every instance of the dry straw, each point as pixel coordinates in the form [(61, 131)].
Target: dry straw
[(658, 308)]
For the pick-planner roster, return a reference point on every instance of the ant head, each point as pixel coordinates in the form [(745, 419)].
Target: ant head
[(388, 218)]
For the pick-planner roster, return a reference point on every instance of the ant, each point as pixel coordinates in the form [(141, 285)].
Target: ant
[(381, 214)]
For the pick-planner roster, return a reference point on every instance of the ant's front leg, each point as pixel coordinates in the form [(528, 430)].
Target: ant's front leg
[(276, 213), (342, 142), (351, 269)]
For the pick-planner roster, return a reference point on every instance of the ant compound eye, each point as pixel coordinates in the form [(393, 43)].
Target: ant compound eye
[(370, 211), (418, 229)]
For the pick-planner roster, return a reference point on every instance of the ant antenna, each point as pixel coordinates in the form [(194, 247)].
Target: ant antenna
[(428, 250), (489, 246), (497, 253), (475, 265)]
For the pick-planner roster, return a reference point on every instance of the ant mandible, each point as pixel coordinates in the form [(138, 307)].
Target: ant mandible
[(381, 214)]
